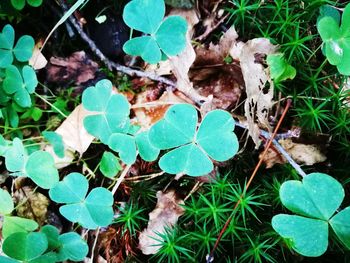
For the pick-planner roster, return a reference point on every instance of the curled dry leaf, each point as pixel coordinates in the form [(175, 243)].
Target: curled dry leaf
[(74, 135), (166, 214), (258, 84), (32, 205), (38, 60), (78, 68), (307, 154)]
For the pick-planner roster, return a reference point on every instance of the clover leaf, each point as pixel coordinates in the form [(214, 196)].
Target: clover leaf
[(69, 246), (6, 203), (279, 68), (336, 40), (315, 200), (19, 4), (90, 211), (57, 142), (109, 165), (21, 86), (22, 50), (162, 36), (192, 148), (38, 166), (25, 246), (111, 111)]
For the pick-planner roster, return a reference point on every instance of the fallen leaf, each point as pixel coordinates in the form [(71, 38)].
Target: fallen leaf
[(74, 136), (307, 154), (148, 111), (77, 69), (32, 205), (38, 60), (166, 214), (258, 84)]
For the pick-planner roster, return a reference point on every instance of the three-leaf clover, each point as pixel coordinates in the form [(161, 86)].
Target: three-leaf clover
[(69, 246), (337, 40), (19, 4), (161, 37), (315, 200), (89, 210), (111, 111), (38, 166), (192, 148), (22, 50), (20, 85)]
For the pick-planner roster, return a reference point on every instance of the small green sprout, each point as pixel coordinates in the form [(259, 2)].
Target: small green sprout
[(19, 4), (279, 68)]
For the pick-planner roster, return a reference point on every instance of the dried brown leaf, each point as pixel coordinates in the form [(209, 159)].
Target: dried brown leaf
[(166, 214)]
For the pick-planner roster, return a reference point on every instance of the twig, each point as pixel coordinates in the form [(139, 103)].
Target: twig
[(210, 257), (111, 64)]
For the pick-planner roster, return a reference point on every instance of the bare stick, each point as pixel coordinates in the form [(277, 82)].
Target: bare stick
[(111, 64), (120, 179)]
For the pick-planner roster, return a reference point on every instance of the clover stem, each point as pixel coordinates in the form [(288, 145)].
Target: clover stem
[(49, 103), (94, 245), (210, 257)]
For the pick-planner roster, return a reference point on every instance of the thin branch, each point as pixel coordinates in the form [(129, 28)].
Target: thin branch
[(121, 179), (110, 64)]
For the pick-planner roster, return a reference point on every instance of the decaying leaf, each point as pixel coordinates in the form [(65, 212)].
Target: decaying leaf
[(32, 205), (307, 154), (166, 214), (146, 115), (77, 69), (258, 84), (38, 60), (74, 135)]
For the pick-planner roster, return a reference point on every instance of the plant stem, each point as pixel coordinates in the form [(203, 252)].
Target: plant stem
[(49, 103), (210, 257), (121, 178)]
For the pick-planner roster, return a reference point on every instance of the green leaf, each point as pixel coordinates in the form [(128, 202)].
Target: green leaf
[(52, 235), (7, 39), (309, 236), (6, 203), (18, 4), (25, 246), (15, 156), (35, 3), (318, 195), (72, 189), (188, 159), (330, 11), (109, 165), (40, 167), (111, 111), (344, 66), (146, 47), (14, 224), (279, 68), (57, 142), (24, 48), (215, 135), (20, 87), (171, 35), (341, 226), (93, 211), (8, 260), (125, 146), (215, 139), (72, 247), (146, 150), (178, 127), (49, 257), (144, 15), (345, 25)]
